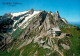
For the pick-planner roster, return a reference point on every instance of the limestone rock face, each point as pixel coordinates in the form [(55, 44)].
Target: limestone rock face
[(37, 23), (65, 46), (4, 41), (42, 23)]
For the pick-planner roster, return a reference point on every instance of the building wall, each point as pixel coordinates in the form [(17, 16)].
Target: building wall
[(58, 33)]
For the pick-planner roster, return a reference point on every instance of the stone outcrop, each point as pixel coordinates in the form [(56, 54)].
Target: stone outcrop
[(2, 42), (41, 24)]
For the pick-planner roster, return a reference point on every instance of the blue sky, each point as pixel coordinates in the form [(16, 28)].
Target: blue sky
[(68, 9)]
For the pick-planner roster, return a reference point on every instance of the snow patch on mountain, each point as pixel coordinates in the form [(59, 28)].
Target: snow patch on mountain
[(64, 21), (18, 13), (27, 19)]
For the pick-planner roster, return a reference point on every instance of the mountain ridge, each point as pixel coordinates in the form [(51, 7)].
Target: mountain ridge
[(24, 16), (31, 32)]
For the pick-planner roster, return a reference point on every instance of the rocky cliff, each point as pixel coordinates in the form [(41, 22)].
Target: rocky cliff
[(29, 24), (37, 33)]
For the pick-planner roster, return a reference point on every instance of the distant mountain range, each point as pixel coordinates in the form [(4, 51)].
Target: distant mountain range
[(77, 24)]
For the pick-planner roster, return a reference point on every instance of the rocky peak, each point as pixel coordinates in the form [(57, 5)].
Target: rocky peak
[(57, 14), (7, 15), (50, 12), (31, 11)]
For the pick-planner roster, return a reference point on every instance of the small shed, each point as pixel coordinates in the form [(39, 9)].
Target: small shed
[(68, 35), (42, 42)]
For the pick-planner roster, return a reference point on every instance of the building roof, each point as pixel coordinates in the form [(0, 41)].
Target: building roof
[(56, 29), (42, 41)]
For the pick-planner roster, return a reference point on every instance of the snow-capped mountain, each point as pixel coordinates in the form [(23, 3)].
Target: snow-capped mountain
[(20, 19), (31, 32), (25, 17), (11, 21)]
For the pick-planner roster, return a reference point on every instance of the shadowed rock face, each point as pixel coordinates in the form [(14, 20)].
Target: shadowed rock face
[(2, 42), (5, 41), (5, 26), (5, 23)]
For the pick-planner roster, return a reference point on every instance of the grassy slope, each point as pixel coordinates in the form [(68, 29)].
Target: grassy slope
[(42, 51), (75, 40), (30, 49), (16, 33)]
